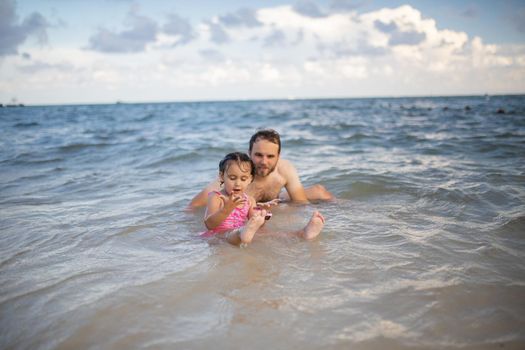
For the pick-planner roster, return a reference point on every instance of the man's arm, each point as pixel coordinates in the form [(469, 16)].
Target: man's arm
[(293, 184), (201, 199)]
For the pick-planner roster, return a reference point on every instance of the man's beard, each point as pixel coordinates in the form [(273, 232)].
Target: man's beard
[(265, 171)]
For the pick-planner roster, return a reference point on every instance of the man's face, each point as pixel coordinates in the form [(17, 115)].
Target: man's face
[(265, 156)]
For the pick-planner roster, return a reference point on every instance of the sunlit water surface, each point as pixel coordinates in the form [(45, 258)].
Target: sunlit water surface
[(423, 248)]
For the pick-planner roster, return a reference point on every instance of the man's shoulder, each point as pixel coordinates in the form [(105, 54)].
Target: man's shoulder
[(283, 163), (285, 167)]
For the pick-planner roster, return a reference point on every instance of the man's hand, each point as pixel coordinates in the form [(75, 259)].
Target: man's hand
[(268, 205)]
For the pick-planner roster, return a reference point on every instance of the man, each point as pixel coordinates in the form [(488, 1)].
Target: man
[(272, 173)]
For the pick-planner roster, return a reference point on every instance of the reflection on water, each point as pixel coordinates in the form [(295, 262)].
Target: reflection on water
[(423, 248)]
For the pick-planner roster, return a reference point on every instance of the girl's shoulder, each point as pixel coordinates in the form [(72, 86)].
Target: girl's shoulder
[(214, 196)]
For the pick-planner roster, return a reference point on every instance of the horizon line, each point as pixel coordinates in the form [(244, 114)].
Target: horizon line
[(123, 102)]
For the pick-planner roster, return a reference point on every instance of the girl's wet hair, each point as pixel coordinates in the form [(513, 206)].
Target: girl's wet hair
[(239, 158)]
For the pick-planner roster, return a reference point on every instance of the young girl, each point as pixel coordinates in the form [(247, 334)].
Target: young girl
[(231, 211), (234, 213)]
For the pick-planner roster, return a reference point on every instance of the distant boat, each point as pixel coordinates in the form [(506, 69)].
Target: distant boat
[(14, 103)]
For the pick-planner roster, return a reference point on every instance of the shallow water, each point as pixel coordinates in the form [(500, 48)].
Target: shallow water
[(424, 247)]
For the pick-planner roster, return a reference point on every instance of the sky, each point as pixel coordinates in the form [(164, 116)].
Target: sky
[(104, 51)]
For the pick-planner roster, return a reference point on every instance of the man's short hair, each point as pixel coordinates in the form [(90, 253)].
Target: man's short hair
[(268, 135)]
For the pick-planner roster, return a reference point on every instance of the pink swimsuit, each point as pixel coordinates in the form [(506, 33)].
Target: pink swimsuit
[(236, 219)]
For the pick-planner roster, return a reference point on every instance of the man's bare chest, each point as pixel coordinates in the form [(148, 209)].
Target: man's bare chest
[(266, 190)]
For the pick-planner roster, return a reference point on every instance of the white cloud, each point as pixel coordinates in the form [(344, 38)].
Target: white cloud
[(389, 51)]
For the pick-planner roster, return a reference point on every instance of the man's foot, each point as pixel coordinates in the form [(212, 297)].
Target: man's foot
[(253, 224), (314, 226)]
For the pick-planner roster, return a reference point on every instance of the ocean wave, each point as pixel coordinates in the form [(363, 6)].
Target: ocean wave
[(32, 158), (30, 201), (184, 156), (514, 227), (45, 287), (362, 189), (358, 137), (330, 125), (173, 159), (26, 124), (446, 195), (367, 186), (77, 147), (146, 118)]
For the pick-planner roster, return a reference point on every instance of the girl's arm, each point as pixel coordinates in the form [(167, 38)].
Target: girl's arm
[(213, 215), (218, 209)]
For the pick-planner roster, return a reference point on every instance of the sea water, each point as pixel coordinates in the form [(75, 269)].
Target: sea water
[(424, 246)]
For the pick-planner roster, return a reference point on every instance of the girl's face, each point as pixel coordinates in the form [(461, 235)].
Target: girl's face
[(236, 179)]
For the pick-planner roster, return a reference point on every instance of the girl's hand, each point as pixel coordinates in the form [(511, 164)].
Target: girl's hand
[(232, 201), (268, 205)]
